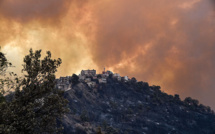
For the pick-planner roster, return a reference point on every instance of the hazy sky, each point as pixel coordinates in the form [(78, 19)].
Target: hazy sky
[(170, 43)]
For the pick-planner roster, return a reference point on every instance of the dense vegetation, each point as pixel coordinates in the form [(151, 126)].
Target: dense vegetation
[(120, 107), (33, 104)]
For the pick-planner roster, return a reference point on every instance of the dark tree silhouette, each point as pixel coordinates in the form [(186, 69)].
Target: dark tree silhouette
[(75, 79), (133, 80), (36, 104)]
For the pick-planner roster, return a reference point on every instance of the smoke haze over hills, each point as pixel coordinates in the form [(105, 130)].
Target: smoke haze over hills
[(167, 43)]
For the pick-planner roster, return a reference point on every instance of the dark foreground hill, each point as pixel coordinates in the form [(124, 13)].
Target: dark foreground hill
[(133, 108)]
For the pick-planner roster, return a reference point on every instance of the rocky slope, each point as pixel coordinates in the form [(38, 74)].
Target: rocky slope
[(133, 108)]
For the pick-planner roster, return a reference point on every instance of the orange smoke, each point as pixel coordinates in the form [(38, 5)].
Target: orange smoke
[(167, 43)]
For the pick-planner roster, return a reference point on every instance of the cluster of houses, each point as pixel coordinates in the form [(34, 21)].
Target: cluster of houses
[(64, 83), (90, 77)]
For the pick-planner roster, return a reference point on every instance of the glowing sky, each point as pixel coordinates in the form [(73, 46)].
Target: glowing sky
[(170, 43)]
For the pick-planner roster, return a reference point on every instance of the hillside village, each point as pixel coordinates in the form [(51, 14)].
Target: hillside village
[(125, 106), (115, 104), (90, 78)]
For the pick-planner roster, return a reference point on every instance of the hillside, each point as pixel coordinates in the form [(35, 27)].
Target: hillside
[(118, 107)]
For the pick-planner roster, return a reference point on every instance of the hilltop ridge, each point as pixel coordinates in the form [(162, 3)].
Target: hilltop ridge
[(128, 106), (90, 78)]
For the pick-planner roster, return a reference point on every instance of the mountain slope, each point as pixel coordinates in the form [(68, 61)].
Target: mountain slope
[(133, 108)]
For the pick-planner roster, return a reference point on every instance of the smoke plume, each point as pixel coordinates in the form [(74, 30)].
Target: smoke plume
[(167, 43)]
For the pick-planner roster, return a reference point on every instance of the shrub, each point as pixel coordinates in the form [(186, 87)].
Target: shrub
[(75, 79), (84, 117)]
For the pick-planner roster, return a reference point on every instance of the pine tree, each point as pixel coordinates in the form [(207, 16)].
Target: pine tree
[(36, 104), (75, 79)]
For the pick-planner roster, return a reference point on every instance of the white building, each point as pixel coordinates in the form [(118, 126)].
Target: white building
[(117, 76), (88, 80), (91, 84), (95, 78), (64, 80), (102, 80), (82, 77), (104, 75), (88, 72), (126, 78), (64, 83)]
